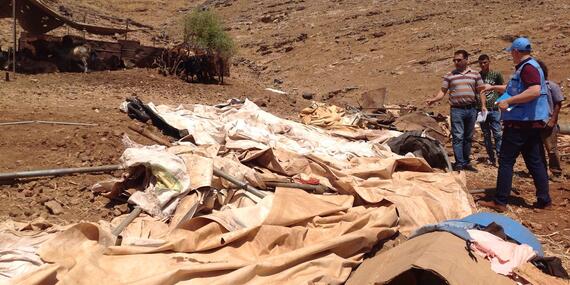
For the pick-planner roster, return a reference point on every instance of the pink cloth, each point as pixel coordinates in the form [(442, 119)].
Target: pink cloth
[(504, 256)]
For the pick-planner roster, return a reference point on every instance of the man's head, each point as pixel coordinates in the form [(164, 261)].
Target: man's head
[(460, 59), (484, 62), (520, 48)]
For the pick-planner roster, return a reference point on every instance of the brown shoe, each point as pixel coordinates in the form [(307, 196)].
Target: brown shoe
[(543, 206), (493, 205)]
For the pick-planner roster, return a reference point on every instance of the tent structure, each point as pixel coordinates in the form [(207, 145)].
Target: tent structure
[(35, 17)]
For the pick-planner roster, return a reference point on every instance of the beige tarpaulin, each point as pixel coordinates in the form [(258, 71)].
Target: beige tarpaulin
[(303, 239), (365, 169), (37, 18), (440, 252), (290, 236)]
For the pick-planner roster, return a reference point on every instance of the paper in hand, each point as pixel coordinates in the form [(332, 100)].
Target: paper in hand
[(482, 116)]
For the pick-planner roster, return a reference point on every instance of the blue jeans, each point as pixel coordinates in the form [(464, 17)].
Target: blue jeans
[(492, 125), (462, 125), (528, 142)]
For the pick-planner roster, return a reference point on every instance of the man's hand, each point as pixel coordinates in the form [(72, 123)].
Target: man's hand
[(430, 101), (483, 109), (488, 88), (503, 105), (551, 124)]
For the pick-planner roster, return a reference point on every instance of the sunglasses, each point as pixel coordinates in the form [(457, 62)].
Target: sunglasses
[(457, 60)]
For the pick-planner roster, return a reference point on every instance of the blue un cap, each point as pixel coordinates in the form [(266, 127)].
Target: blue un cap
[(520, 44)]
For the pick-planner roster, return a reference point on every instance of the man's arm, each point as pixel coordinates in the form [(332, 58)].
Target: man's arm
[(554, 119), (528, 95), (437, 97), (483, 98), (498, 88), (557, 99)]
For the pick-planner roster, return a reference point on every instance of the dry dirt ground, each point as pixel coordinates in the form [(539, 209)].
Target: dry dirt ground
[(332, 49)]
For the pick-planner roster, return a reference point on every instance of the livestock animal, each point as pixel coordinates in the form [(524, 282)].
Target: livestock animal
[(205, 67), (80, 53), (73, 52), (193, 67), (4, 55)]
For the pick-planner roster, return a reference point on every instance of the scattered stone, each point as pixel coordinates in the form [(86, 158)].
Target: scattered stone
[(117, 212), (260, 102), (536, 226), (308, 95), (28, 193), (378, 34), (288, 49), (277, 81), (553, 226), (54, 207)]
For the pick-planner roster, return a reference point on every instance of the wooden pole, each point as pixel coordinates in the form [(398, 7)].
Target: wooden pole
[(14, 38), (127, 29), (84, 22)]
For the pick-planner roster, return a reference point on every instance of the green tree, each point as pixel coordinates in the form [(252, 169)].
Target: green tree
[(204, 29)]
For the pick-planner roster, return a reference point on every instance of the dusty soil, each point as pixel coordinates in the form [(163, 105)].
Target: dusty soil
[(332, 49)]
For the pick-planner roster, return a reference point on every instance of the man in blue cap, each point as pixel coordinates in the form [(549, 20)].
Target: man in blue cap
[(525, 109)]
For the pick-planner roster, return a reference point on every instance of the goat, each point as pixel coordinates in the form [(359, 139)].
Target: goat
[(81, 53)]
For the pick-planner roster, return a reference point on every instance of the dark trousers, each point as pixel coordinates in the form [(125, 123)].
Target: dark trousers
[(492, 129), (462, 126), (528, 142)]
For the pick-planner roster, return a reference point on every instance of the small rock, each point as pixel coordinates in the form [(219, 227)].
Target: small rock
[(308, 95), (288, 49), (277, 81), (260, 102), (378, 34), (54, 207), (117, 133), (28, 193), (116, 212), (536, 226)]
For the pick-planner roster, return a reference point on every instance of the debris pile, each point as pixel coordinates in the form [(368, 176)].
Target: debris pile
[(242, 196)]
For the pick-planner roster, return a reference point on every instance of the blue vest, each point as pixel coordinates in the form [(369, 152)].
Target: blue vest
[(535, 110)]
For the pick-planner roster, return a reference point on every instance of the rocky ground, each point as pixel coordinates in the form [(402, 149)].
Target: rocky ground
[(326, 50)]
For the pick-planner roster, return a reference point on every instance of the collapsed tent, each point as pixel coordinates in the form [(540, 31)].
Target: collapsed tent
[(365, 169), (288, 236), (36, 17)]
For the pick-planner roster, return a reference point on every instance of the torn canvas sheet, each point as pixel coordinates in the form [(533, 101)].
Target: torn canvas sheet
[(313, 239), (18, 245), (364, 169), (210, 125), (169, 178), (432, 258), (504, 255)]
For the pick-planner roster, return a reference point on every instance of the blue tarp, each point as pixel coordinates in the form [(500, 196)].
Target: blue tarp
[(512, 228)]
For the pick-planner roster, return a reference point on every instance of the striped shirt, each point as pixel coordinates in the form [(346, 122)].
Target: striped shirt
[(462, 87)]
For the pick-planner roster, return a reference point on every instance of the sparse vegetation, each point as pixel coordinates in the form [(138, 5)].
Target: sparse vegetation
[(204, 29)]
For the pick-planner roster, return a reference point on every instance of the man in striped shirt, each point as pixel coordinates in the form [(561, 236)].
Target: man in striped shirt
[(463, 85)]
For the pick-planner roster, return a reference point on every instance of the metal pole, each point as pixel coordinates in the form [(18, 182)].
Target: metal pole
[(239, 184), (14, 37), (58, 171), (319, 189)]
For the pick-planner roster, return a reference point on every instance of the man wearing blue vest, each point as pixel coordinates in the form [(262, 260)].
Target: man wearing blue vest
[(524, 111)]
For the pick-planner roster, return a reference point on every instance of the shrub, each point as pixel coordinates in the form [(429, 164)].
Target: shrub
[(204, 29)]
